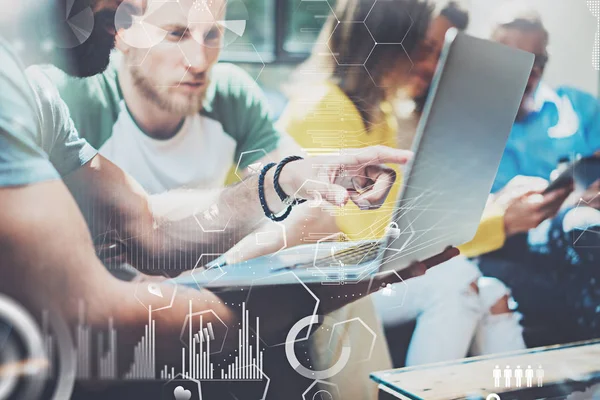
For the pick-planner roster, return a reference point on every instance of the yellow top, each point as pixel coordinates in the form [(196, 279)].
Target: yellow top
[(325, 120)]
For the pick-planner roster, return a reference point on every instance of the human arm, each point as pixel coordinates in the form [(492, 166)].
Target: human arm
[(48, 263), (520, 206), (158, 230)]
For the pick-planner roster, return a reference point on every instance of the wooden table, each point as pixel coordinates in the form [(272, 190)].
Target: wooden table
[(567, 368)]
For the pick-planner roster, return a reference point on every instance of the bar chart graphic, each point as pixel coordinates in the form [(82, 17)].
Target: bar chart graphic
[(84, 346), (248, 363), (107, 361), (144, 364), (97, 359), (196, 358)]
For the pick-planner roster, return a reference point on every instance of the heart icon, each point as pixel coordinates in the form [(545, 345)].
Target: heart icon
[(181, 394)]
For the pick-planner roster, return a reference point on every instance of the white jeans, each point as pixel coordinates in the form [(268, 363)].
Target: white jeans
[(452, 319)]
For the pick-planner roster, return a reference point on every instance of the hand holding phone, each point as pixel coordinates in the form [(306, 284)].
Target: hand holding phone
[(583, 173), (527, 211)]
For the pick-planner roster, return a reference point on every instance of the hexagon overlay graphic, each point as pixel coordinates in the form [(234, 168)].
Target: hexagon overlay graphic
[(364, 39)]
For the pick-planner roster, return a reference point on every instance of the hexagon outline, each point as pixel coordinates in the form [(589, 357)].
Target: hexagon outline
[(401, 281), (210, 267), (197, 211), (321, 383), (160, 308), (260, 60), (336, 17), (412, 64), (363, 324), (332, 53), (196, 314), (312, 1), (412, 22), (266, 377), (237, 167)]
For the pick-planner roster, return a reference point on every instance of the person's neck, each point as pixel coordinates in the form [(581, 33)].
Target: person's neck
[(152, 120)]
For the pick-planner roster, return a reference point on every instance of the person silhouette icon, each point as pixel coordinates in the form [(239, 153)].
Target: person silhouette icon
[(539, 374), (497, 374), (529, 376), (518, 376), (507, 376)]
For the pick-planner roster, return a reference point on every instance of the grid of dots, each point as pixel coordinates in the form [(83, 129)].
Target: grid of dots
[(594, 6)]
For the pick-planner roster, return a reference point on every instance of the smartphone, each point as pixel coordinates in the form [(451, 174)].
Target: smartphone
[(582, 172)]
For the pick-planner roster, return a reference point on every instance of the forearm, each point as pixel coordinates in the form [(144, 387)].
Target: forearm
[(201, 222), (170, 231), (48, 264)]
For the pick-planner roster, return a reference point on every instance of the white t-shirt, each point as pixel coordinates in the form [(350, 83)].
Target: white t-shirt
[(233, 129), (198, 156)]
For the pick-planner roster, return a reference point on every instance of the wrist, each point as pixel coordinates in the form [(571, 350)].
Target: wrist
[(509, 228), (273, 201), (286, 181)]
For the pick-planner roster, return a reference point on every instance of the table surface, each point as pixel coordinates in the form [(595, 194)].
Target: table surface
[(473, 377)]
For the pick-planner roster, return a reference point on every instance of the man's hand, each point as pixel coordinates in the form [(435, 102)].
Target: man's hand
[(358, 175), (526, 204)]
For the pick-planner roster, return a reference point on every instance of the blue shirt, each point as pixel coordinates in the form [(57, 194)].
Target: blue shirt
[(565, 123), (38, 141)]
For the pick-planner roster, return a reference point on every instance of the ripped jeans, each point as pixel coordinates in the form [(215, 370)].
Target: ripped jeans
[(452, 319), (553, 273)]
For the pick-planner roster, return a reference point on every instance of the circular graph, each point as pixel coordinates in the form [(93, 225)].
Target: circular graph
[(26, 355), (74, 25), (139, 30), (301, 369), (322, 395), (231, 19)]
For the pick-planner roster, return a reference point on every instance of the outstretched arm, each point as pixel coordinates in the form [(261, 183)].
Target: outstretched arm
[(159, 232)]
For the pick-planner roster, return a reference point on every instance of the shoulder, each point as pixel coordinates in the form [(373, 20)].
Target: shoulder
[(102, 88), (230, 86), (18, 105), (93, 102), (584, 103)]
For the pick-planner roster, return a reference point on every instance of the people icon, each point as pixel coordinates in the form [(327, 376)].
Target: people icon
[(529, 376), (497, 375), (518, 375), (507, 376), (539, 374)]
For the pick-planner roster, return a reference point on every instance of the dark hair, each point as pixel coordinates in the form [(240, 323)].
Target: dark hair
[(363, 41), (458, 16), (522, 18)]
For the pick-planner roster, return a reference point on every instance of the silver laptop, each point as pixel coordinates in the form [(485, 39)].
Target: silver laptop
[(460, 140)]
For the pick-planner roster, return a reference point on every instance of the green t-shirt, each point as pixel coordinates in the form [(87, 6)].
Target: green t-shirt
[(38, 141), (234, 128)]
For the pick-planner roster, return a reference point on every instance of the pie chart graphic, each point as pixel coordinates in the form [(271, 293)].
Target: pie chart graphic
[(74, 25), (143, 31), (232, 27)]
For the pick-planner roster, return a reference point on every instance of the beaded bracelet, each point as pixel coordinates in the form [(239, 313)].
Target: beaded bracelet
[(263, 201)]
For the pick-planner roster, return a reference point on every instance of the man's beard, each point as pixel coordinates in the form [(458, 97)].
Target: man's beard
[(161, 97), (92, 56)]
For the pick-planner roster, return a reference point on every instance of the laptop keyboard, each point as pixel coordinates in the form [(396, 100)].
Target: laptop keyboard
[(359, 254)]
